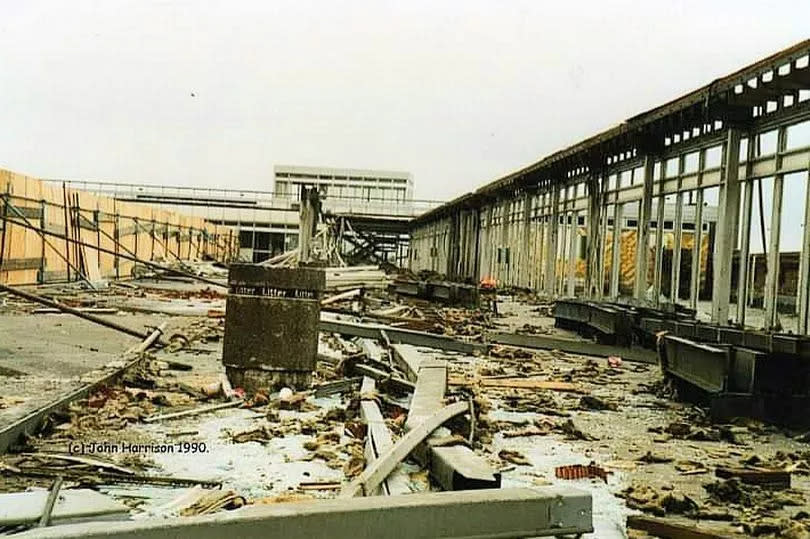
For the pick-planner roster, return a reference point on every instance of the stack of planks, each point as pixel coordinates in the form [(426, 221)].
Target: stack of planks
[(339, 279)]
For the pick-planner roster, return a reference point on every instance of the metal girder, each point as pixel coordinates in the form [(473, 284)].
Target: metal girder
[(573, 346), (398, 335), (510, 512), (699, 364)]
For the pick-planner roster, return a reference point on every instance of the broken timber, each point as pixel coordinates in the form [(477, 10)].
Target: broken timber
[(453, 467), (368, 481), (659, 527), (30, 423), (379, 439), (510, 512)]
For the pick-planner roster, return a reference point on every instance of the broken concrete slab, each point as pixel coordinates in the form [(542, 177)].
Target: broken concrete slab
[(72, 505)]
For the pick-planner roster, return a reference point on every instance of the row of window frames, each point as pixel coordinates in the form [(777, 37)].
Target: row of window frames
[(630, 223), (349, 178)]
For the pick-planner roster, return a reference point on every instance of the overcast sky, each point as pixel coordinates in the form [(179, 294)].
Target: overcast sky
[(456, 92)]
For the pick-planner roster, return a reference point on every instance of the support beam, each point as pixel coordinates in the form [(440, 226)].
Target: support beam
[(694, 281), (616, 255), (573, 230), (551, 250), (804, 272), (727, 223), (675, 281), (511, 512), (659, 248), (643, 229), (772, 276), (594, 251), (743, 288)]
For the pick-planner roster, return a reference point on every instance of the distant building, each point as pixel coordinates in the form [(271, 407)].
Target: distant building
[(346, 184)]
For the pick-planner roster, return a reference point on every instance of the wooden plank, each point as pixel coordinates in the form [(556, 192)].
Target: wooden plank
[(518, 383), (758, 476), (668, 529)]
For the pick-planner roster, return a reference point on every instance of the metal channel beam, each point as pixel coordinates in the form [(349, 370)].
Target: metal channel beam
[(495, 513), (573, 346), (418, 338), (701, 365)]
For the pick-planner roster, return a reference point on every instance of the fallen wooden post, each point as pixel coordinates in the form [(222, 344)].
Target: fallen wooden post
[(356, 292), (758, 476), (368, 481), (668, 529)]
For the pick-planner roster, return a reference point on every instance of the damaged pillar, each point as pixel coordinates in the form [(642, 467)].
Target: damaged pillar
[(271, 326), (308, 222)]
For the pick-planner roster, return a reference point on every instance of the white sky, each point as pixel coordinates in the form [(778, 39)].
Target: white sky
[(457, 92)]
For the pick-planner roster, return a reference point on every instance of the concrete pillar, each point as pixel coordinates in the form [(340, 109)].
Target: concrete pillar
[(727, 221), (643, 229), (307, 222)]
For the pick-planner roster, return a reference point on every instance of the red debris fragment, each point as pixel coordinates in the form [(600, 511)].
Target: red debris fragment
[(581, 471)]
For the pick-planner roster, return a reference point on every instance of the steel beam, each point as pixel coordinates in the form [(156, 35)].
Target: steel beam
[(496, 513), (701, 365), (573, 346), (398, 335)]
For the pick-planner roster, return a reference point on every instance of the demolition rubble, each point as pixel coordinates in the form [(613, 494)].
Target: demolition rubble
[(275, 390)]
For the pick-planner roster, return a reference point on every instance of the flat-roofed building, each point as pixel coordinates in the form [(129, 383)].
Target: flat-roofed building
[(345, 184)]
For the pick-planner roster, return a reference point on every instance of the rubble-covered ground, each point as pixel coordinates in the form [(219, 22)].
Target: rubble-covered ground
[(535, 411)]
